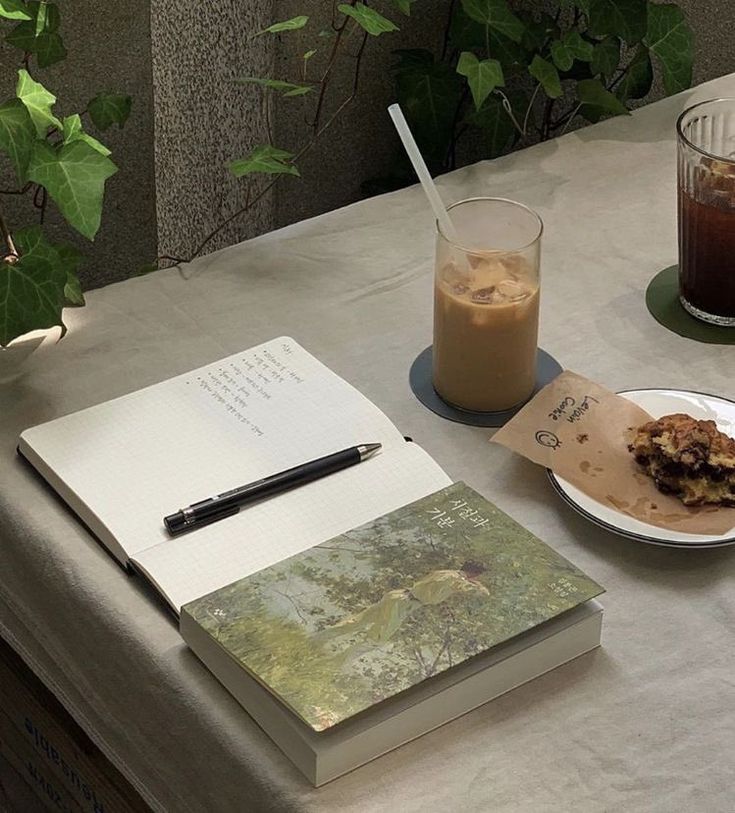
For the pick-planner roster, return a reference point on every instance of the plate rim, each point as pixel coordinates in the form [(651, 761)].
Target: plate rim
[(649, 540)]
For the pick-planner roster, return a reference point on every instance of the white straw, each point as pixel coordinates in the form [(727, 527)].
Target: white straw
[(432, 193)]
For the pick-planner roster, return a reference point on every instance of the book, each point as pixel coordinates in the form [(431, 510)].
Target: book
[(124, 464), (346, 650)]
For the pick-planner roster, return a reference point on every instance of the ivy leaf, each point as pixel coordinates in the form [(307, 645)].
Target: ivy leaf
[(466, 34), (404, 6), (579, 48), (287, 25), (70, 258), (14, 10), (38, 102), (32, 289), (107, 109), (286, 88), (606, 57), (368, 19), (429, 93), (309, 54), (73, 292), (537, 31), (547, 75), (73, 131), (49, 50), (17, 135), (561, 56), (482, 76), (39, 35), (626, 19), (41, 17), (495, 14), (498, 131), (74, 175), (637, 81), (593, 93), (267, 159), (672, 41)]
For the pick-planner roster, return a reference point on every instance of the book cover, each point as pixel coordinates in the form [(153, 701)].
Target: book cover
[(368, 614)]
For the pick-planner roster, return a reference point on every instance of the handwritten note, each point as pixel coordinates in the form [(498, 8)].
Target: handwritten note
[(239, 384)]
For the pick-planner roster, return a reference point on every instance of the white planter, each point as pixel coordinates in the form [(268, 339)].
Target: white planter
[(14, 356)]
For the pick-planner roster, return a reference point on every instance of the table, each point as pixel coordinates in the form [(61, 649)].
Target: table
[(645, 723)]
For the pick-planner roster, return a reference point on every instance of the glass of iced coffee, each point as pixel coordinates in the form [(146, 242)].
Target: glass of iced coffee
[(486, 305), (706, 172)]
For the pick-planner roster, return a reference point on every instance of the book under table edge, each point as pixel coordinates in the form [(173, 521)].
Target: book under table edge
[(324, 756)]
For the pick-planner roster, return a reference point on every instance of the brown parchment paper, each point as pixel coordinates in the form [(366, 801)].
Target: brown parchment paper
[(580, 431)]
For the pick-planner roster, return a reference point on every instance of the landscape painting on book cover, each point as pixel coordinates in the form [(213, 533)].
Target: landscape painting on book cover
[(368, 614)]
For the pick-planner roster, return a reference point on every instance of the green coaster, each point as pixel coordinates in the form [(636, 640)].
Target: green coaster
[(662, 299)]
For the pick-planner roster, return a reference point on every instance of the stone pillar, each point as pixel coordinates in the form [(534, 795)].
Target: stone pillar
[(203, 119)]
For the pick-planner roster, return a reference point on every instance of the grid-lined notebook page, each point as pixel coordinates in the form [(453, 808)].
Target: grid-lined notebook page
[(193, 565), (135, 459)]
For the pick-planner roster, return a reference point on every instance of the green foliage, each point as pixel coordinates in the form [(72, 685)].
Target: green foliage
[(287, 25), (74, 175), (286, 88), (429, 93), (14, 10), (32, 289), (547, 76), (39, 35), (623, 18), (267, 159), (574, 59), (571, 47), (368, 19), (38, 101), (107, 109), (404, 6), (510, 75), (17, 134), (606, 58), (53, 159), (495, 14), (593, 93), (637, 81), (73, 131), (671, 40), (483, 76)]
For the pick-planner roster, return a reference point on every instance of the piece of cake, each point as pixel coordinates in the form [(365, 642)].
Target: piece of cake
[(688, 458)]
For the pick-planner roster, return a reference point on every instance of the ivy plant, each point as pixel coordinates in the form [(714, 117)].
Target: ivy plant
[(505, 76), (48, 157)]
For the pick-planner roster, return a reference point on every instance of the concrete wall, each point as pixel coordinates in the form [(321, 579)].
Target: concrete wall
[(106, 51)]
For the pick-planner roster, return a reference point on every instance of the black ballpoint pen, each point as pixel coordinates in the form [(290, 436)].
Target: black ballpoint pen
[(230, 502)]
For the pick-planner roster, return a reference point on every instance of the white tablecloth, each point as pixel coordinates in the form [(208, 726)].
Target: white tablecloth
[(646, 723)]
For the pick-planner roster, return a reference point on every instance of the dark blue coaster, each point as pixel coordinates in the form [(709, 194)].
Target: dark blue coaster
[(420, 379)]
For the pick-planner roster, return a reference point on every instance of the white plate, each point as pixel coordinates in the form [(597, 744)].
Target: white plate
[(656, 403)]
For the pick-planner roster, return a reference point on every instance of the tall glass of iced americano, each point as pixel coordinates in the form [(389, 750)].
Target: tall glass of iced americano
[(486, 305)]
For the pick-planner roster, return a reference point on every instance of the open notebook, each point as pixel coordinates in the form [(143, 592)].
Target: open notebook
[(124, 464)]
